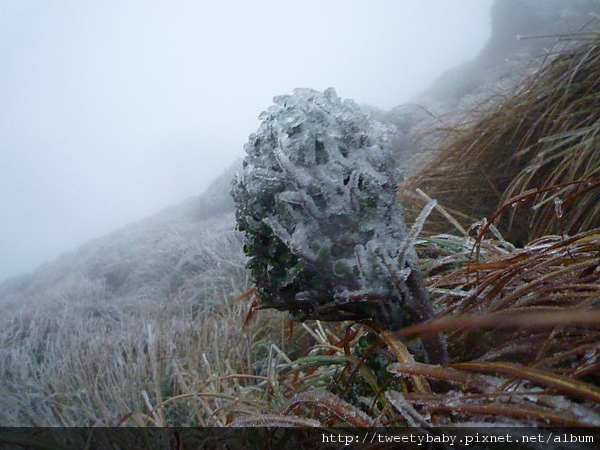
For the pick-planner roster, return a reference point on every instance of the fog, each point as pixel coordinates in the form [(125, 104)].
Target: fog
[(111, 111)]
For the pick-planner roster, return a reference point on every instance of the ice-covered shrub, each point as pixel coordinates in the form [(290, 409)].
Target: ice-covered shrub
[(325, 233)]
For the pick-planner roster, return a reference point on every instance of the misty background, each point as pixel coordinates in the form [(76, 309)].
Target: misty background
[(111, 111)]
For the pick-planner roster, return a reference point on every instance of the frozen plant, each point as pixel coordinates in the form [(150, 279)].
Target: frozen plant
[(324, 231)]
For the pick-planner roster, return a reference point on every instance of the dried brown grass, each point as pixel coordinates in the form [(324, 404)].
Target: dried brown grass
[(166, 364), (522, 321), (539, 146), (523, 327)]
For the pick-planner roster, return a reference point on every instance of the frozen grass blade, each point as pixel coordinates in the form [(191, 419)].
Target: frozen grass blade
[(514, 319), (273, 420), (403, 356), (468, 383), (560, 384), (527, 414), (347, 413)]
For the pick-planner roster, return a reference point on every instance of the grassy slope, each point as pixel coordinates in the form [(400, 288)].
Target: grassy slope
[(82, 338)]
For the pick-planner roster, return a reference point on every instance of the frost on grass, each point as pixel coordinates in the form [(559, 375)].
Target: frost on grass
[(325, 233)]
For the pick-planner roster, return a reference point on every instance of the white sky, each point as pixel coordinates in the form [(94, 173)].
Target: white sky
[(113, 110)]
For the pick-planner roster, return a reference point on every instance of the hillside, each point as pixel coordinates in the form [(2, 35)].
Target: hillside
[(153, 257), (100, 306), (141, 326)]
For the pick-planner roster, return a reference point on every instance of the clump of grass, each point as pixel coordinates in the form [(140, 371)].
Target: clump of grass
[(538, 146), (516, 291), (71, 370), (523, 327), (517, 299), (74, 353), (531, 317)]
